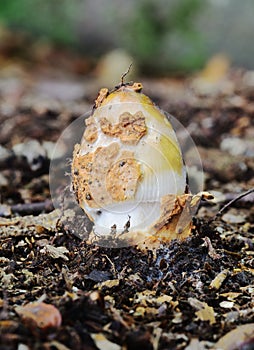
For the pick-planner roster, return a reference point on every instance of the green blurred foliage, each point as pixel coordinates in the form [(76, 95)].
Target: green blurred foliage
[(164, 35), (160, 35), (49, 19)]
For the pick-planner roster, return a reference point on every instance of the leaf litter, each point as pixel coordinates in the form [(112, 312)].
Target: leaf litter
[(194, 294)]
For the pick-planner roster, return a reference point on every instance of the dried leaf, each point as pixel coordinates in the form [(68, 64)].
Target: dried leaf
[(7, 279), (146, 311), (32, 225), (219, 279), (231, 295), (227, 304), (205, 312), (149, 297), (56, 252), (140, 311), (108, 284), (164, 299), (103, 343), (211, 251), (144, 297)]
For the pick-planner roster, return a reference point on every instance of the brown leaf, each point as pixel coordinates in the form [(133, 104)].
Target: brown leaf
[(56, 252), (219, 279), (103, 343), (205, 312)]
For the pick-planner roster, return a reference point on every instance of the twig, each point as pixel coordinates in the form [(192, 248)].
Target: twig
[(112, 264), (244, 194), (32, 208), (211, 251), (124, 74)]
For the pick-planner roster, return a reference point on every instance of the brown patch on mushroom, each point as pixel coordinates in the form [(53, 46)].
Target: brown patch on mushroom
[(130, 129), (81, 168), (91, 132), (122, 179), (103, 93), (175, 220), (89, 173)]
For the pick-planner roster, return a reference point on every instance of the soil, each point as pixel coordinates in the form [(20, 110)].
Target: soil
[(186, 294)]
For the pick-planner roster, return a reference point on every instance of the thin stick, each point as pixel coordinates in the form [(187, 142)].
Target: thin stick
[(124, 74), (32, 208), (230, 203)]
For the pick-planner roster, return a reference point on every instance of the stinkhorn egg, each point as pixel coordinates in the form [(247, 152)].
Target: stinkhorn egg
[(128, 173)]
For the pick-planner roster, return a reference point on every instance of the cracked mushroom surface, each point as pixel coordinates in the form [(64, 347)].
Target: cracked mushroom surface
[(128, 167)]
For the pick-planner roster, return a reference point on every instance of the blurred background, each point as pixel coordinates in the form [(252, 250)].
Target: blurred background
[(193, 57), (169, 37)]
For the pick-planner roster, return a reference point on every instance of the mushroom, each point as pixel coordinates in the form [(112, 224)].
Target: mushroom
[(128, 172)]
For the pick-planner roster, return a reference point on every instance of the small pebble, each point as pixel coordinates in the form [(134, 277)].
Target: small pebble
[(33, 151), (232, 217)]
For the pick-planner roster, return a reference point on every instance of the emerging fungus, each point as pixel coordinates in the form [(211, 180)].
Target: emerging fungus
[(128, 171)]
